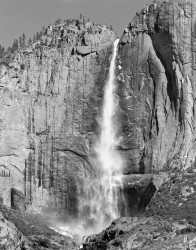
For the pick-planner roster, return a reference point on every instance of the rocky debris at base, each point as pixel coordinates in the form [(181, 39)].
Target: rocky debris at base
[(41, 242), (138, 190), (143, 233), (168, 223), (23, 231), (10, 237), (176, 198)]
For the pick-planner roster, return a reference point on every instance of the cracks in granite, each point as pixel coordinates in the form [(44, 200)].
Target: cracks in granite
[(15, 167), (85, 158)]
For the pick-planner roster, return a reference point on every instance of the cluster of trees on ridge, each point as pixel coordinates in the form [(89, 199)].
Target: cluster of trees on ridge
[(21, 42)]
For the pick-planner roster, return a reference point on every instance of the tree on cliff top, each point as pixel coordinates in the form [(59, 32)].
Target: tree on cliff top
[(23, 40), (30, 41), (58, 21), (15, 45), (2, 51)]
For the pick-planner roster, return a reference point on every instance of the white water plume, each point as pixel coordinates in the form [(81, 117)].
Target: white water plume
[(109, 160), (99, 204), (98, 201)]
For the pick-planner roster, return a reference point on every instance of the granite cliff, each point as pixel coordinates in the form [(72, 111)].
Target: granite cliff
[(156, 86), (157, 95), (50, 93)]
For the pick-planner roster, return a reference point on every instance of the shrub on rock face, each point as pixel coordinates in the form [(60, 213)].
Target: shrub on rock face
[(176, 200), (41, 242), (22, 67), (58, 21)]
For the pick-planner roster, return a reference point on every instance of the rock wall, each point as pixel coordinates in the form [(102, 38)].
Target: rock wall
[(150, 233), (10, 237), (49, 97), (51, 91), (157, 88)]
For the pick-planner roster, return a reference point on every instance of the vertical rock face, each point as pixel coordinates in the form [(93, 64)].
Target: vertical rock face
[(11, 237), (49, 97), (157, 87)]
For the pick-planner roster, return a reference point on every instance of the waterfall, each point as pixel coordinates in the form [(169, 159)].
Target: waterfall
[(98, 201), (100, 204), (109, 160)]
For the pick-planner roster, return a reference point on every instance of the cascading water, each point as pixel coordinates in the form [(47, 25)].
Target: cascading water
[(100, 203), (109, 160)]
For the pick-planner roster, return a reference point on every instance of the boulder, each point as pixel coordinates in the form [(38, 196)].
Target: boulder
[(144, 233), (10, 237), (18, 200)]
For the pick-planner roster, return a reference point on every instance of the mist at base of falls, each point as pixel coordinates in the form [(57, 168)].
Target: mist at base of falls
[(98, 201)]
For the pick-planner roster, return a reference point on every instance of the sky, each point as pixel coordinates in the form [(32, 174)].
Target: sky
[(29, 16)]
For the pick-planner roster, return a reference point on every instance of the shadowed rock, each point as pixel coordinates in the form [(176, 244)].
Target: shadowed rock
[(17, 200)]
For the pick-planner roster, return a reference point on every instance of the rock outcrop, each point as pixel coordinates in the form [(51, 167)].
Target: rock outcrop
[(176, 199), (150, 233), (10, 237), (18, 201), (157, 88), (24, 231), (50, 92)]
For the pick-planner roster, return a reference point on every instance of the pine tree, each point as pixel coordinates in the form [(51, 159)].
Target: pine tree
[(20, 42), (2, 51), (46, 42), (9, 50), (58, 21), (34, 39), (38, 35), (15, 45), (30, 41), (23, 40), (84, 20)]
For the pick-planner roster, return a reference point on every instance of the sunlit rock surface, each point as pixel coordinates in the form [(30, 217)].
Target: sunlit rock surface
[(157, 88), (176, 199), (49, 98), (150, 233), (25, 231), (10, 237), (50, 94)]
